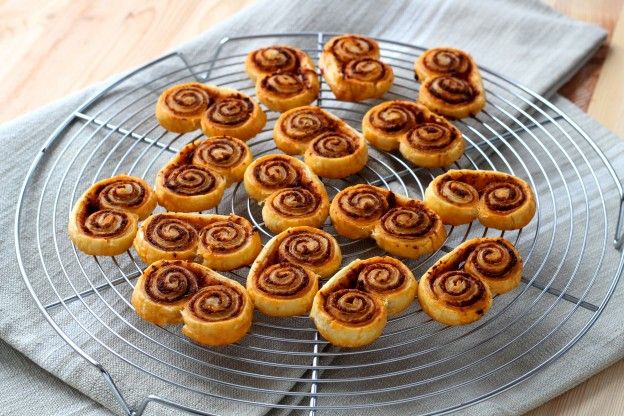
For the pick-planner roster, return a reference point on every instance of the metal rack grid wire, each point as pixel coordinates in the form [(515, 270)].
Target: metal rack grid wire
[(283, 363)]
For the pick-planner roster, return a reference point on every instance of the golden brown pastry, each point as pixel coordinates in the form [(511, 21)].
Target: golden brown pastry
[(220, 313), (352, 307), (284, 277), (223, 242), (422, 137), (458, 288), (219, 111), (352, 69), (450, 82), (330, 146), (292, 194), (285, 77), (195, 179), (105, 218), (496, 199), (399, 225)]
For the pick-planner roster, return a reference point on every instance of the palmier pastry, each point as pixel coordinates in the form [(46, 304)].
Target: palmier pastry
[(285, 77), (399, 225), (352, 307), (219, 111), (195, 178), (105, 218), (496, 199), (292, 194), (450, 82), (284, 277), (351, 67), (458, 288), (330, 146), (222, 242), (422, 137)]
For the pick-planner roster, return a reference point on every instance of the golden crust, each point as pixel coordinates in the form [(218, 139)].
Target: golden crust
[(105, 218), (496, 199)]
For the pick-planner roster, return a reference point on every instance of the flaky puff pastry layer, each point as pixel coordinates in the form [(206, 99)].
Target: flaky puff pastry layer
[(350, 64), (285, 77), (450, 82), (401, 226), (351, 309), (284, 277), (422, 137), (458, 288), (496, 199), (105, 218), (222, 242), (291, 193), (331, 147), (218, 111)]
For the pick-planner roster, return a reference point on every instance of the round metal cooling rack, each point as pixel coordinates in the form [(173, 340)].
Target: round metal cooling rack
[(571, 264)]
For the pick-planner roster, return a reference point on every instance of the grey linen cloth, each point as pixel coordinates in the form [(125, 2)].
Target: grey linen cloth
[(525, 41)]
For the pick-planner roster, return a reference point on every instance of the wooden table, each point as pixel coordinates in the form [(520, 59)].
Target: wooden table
[(39, 42)]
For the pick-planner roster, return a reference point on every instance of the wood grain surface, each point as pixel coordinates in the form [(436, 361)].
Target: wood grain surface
[(49, 49)]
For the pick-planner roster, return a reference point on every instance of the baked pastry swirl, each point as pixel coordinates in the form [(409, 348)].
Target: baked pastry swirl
[(331, 147), (105, 218), (399, 225), (195, 178), (496, 199), (285, 77), (291, 193), (219, 111), (352, 69), (458, 288), (422, 137), (351, 309), (450, 82), (284, 277), (222, 242)]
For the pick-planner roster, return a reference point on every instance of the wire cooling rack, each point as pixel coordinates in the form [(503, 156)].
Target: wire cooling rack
[(572, 257)]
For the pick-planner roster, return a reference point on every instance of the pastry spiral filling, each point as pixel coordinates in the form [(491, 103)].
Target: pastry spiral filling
[(188, 100), (221, 152), (503, 196), (431, 136), (333, 145), (446, 61), (380, 277), (407, 222), (348, 48), (491, 259), (295, 202), (363, 203), (224, 236), (351, 306), (457, 192), (121, 193), (276, 59), (304, 124), (283, 279), (457, 288), (216, 303), (286, 84), (393, 118), (452, 90), (106, 223), (190, 180), (170, 234), (171, 283), (277, 173), (305, 248), (365, 69), (231, 111)]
